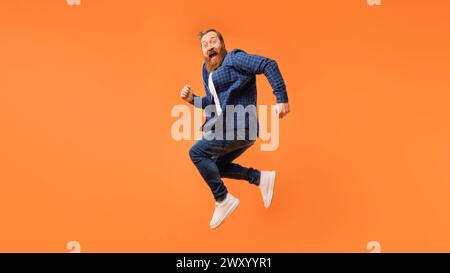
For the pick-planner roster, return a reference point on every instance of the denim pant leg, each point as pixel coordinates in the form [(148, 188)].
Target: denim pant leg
[(202, 154), (231, 170)]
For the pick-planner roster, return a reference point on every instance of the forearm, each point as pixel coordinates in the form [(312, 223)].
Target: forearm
[(273, 75), (199, 102)]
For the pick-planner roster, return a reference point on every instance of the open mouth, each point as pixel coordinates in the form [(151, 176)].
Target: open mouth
[(212, 55)]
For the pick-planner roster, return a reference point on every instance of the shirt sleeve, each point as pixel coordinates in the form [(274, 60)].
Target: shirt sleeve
[(255, 64), (200, 102)]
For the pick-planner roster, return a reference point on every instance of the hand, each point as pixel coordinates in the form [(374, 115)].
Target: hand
[(282, 109), (187, 93)]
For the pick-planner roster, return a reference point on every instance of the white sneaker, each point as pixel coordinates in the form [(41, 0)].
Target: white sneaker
[(223, 210), (266, 185)]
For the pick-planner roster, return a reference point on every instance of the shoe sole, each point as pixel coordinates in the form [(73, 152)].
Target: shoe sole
[(228, 213), (271, 188)]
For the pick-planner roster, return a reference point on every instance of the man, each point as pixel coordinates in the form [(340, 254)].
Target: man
[(229, 79)]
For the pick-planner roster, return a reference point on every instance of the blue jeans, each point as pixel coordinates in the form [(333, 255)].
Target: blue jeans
[(213, 159)]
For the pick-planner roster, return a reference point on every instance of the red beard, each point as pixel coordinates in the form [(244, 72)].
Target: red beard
[(213, 62)]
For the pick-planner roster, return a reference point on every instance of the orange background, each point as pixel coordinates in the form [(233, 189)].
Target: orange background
[(86, 152)]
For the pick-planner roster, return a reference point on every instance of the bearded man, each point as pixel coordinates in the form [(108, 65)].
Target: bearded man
[(229, 79)]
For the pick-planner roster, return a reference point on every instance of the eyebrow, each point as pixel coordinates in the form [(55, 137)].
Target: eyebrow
[(204, 42), (209, 39)]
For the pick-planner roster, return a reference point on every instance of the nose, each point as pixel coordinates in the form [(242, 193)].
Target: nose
[(209, 47)]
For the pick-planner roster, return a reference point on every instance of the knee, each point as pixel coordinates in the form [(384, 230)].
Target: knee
[(193, 153)]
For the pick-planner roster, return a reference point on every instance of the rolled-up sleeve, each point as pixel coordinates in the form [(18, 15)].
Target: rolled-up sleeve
[(200, 102)]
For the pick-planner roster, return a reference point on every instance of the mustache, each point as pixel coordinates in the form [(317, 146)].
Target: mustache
[(220, 53), (212, 52)]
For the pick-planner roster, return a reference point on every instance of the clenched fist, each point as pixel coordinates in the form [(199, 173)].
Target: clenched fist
[(187, 93)]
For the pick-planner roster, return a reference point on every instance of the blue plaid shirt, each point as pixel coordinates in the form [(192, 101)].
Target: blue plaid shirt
[(235, 84)]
